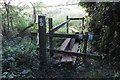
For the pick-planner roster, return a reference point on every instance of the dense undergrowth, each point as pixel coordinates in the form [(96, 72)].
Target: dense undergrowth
[(21, 61), (104, 21), (20, 55)]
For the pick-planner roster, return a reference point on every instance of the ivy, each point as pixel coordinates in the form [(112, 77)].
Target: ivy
[(104, 20)]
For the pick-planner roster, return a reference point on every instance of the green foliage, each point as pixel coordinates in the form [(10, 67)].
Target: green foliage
[(20, 55), (104, 21), (19, 60), (17, 19)]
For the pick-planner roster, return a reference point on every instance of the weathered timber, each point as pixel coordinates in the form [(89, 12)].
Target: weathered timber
[(42, 41), (83, 27), (65, 44), (74, 49), (77, 32), (76, 54), (71, 43), (65, 57), (76, 45), (59, 26), (50, 38), (74, 31), (75, 18), (67, 25), (62, 35), (85, 46)]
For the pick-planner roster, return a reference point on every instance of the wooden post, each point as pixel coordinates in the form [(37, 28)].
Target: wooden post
[(85, 46), (67, 24), (83, 27), (42, 41), (50, 38)]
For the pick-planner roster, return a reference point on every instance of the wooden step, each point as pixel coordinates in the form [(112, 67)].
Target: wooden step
[(66, 58), (71, 43), (74, 49), (65, 44)]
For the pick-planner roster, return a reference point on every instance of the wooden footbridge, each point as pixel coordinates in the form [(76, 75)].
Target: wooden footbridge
[(69, 47)]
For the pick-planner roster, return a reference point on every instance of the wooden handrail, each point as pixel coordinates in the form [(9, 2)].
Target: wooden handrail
[(63, 35), (76, 18), (59, 26)]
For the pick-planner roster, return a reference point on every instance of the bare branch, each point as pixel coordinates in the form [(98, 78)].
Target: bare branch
[(34, 12)]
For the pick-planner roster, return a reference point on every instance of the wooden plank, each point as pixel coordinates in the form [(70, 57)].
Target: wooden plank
[(65, 44), (59, 26), (75, 18), (74, 30), (71, 43), (75, 46), (74, 49), (66, 58), (62, 35), (76, 54)]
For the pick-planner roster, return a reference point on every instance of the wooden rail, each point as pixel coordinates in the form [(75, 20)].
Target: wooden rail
[(62, 35), (76, 18), (59, 26), (75, 54)]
